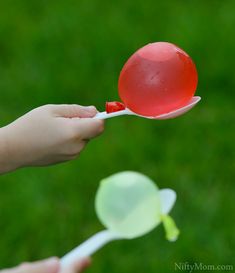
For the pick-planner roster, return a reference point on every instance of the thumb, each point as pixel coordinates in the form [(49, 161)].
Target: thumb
[(46, 266), (77, 266), (88, 128), (73, 111)]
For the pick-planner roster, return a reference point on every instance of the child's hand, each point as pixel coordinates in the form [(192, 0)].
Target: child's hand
[(47, 135), (48, 266)]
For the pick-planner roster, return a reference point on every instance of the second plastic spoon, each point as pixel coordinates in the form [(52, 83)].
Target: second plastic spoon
[(121, 200)]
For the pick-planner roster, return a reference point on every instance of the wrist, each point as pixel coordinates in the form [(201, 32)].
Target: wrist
[(7, 157)]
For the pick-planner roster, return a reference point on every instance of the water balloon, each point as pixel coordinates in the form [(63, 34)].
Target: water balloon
[(158, 81), (129, 205)]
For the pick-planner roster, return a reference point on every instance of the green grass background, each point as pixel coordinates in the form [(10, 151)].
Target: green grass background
[(72, 52)]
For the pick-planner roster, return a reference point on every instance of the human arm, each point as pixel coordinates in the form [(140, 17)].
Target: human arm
[(47, 135)]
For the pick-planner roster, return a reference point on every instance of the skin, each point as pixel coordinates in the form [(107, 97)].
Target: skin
[(51, 265), (48, 135)]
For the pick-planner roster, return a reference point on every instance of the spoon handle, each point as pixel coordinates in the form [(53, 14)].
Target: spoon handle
[(105, 115), (88, 247)]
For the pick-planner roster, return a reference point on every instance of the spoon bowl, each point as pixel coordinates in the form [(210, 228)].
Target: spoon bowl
[(97, 241), (120, 199), (170, 115)]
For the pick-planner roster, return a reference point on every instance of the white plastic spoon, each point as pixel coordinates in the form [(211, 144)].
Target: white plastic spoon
[(101, 238), (172, 114), (138, 189)]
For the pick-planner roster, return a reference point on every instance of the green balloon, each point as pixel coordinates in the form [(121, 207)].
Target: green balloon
[(128, 204)]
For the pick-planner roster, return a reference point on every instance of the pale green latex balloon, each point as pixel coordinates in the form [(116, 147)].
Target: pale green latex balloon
[(128, 204)]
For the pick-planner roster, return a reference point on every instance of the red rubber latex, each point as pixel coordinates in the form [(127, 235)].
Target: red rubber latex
[(114, 106), (158, 78)]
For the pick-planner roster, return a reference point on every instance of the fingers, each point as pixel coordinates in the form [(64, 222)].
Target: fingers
[(73, 111), (47, 266), (51, 265), (88, 128), (77, 266)]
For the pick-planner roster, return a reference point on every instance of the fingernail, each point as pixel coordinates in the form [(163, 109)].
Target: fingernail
[(90, 108)]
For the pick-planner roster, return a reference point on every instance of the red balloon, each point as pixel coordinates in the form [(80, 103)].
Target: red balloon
[(157, 79)]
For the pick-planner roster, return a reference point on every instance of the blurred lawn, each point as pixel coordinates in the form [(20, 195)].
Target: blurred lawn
[(72, 52)]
